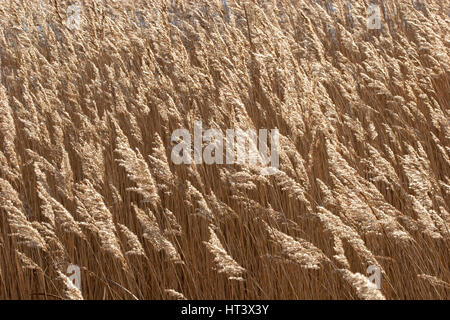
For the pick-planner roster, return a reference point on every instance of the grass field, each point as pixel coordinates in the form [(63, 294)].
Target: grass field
[(86, 177)]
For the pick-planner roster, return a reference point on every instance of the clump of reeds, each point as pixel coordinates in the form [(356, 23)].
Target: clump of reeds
[(87, 177)]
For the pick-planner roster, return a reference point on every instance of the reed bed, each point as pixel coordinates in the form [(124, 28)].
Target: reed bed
[(86, 176)]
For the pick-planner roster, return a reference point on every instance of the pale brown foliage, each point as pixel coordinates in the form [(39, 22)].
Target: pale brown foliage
[(86, 176)]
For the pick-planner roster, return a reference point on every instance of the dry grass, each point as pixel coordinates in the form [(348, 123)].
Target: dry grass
[(86, 177)]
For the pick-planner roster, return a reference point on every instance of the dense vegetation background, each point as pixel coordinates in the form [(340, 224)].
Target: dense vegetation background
[(86, 177)]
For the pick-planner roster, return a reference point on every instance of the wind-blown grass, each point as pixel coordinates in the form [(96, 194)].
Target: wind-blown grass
[(86, 178)]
